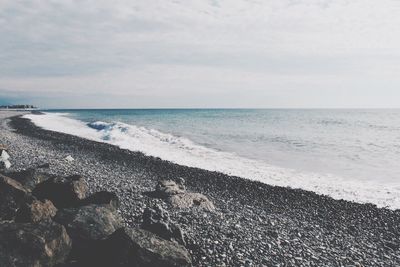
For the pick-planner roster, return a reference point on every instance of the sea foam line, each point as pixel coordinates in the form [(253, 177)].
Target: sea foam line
[(185, 152)]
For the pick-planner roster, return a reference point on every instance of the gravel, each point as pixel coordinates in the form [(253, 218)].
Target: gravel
[(254, 224)]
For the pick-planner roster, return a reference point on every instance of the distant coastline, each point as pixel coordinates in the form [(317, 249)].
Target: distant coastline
[(18, 107)]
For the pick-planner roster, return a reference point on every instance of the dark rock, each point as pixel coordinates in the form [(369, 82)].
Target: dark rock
[(29, 178), (12, 195), (102, 197), (62, 191), (35, 211), (158, 222), (28, 244), (137, 247), (167, 188), (88, 226)]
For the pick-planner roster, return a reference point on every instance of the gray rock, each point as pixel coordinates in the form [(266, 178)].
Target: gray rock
[(62, 191), (137, 247), (167, 188), (12, 195), (157, 221), (28, 244), (188, 200), (35, 211)]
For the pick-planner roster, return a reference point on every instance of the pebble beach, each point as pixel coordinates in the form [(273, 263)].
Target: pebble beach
[(253, 224)]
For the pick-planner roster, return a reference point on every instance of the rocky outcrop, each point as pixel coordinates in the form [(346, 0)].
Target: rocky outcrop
[(35, 211), (12, 195), (178, 197), (157, 221), (137, 247), (53, 223), (102, 198), (62, 191), (29, 244)]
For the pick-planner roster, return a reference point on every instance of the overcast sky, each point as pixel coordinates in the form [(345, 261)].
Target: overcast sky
[(209, 53)]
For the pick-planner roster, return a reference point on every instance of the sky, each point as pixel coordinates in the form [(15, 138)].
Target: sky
[(199, 54)]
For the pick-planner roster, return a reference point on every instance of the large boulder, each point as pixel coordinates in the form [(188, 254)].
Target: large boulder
[(140, 248), (29, 178), (62, 191), (157, 221), (167, 188), (36, 245), (188, 200), (88, 226), (12, 195), (102, 198), (35, 210)]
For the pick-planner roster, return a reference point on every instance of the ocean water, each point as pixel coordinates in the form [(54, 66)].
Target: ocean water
[(347, 154)]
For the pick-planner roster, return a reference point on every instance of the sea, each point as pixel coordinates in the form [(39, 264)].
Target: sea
[(349, 154)]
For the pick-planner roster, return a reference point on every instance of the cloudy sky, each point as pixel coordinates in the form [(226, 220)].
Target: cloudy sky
[(200, 53)]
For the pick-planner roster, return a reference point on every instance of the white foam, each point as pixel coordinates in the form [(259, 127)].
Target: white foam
[(183, 151)]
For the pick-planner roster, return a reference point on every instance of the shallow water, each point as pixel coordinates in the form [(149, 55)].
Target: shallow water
[(350, 154)]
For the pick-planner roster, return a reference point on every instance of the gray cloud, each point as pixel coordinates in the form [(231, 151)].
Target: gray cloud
[(223, 52)]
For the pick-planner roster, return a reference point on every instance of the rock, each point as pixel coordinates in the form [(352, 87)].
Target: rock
[(62, 191), (137, 247), (29, 178), (12, 195), (29, 244), (6, 164), (167, 188), (102, 197), (158, 222), (69, 158), (88, 226), (175, 194), (36, 211), (4, 156), (188, 200)]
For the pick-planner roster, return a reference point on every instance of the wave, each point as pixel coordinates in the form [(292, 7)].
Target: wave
[(183, 151)]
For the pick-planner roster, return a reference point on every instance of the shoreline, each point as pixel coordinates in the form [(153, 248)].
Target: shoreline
[(254, 223)]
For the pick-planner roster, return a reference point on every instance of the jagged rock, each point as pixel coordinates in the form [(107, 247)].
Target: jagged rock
[(188, 200), (167, 188), (29, 178), (62, 191), (29, 244), (35, 211), (158, 222), (88, 226), (12, 195), (102, 197), (137, 247)]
